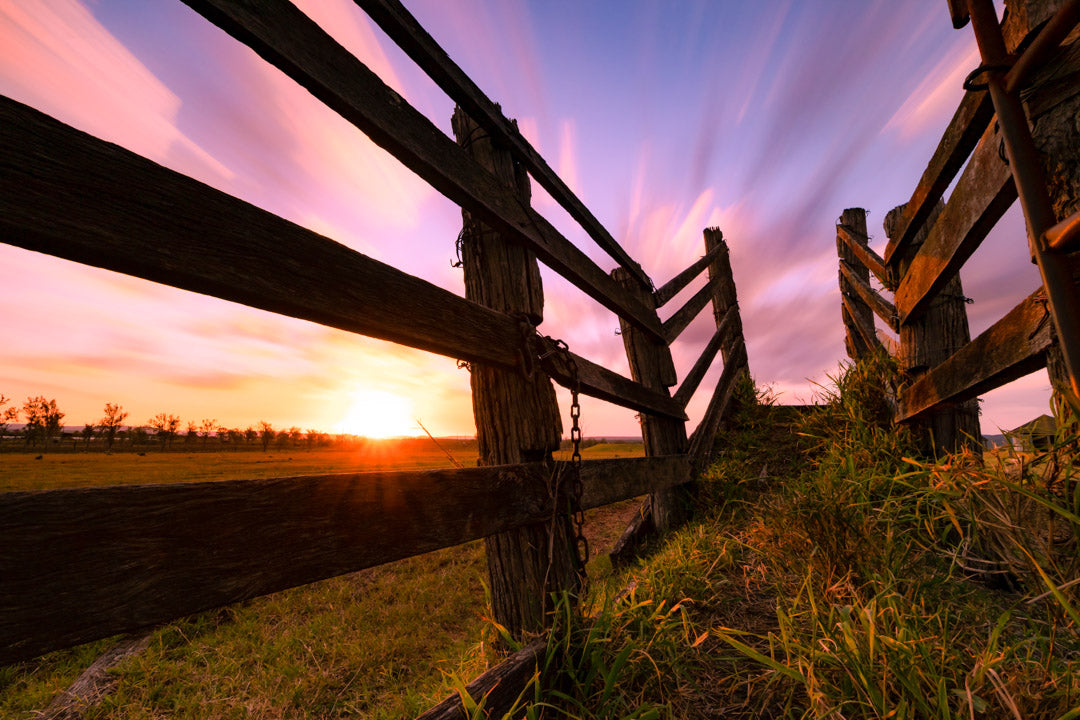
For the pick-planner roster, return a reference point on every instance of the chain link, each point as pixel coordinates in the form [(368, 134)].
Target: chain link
[(577, 487)]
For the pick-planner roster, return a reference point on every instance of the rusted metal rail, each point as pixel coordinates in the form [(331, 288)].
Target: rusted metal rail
[(1064, 301)]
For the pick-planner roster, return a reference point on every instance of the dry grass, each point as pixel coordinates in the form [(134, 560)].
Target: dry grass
[(380, 643)]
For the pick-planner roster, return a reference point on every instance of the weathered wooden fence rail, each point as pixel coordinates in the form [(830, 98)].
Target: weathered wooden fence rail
[(1031, 153), (81, 564)]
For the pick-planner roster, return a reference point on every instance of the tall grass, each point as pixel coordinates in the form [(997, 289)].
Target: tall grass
[(833, 573)]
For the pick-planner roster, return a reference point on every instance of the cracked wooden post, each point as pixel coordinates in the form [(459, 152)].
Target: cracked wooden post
[(651, 365), (724, 299), (931, 339), (517, 417), (861, 338)]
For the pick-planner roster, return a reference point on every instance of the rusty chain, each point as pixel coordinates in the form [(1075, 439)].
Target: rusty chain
[(577, 487)]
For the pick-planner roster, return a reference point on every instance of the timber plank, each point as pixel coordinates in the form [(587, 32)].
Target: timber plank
[(701, 366), (858, 243), (67, 194), (1012, 347), (70, 195), (961, 136), (84, 563), (983, 193), (675, 285), (498, 688), (881, 307), (704, 435), (599, 382), (678, 322), (286, 38), (399, 24), (851, 318)]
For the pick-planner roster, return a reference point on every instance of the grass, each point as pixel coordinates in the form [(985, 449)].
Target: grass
[(381, 643), (831, 573)]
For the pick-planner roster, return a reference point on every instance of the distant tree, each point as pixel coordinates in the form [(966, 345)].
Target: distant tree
[(7, 415), (114, 418), (192, 433), (250, 434), (207, 428), (138, 436), (87, 434), (266, 434), (222, 434), (166, 426), (43, 419)]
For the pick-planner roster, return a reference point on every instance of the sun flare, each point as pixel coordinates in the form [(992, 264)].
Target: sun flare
[(379, 414)]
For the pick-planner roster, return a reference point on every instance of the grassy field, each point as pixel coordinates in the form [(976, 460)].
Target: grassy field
[(380, 643)]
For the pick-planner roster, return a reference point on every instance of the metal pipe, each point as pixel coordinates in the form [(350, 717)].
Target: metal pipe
[(1024, 161), (1043, 46), (1065, 236)]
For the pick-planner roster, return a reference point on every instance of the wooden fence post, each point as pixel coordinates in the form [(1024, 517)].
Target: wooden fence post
[(651, 365), (732, 349), (724, 299), (517, 417), (861, 339), (931, 339)]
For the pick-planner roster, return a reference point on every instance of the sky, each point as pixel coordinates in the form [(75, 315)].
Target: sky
[(765, 119)]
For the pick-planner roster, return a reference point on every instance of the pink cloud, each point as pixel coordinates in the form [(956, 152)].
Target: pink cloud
[(56, 57), (937, 95)]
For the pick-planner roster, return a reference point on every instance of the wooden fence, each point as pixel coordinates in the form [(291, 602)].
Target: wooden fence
[(1002, 158), (82, 564)]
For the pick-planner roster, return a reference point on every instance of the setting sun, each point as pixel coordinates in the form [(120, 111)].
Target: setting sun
[(379, 414)]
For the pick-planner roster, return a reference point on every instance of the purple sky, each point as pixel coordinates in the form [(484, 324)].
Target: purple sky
[(766, 119)]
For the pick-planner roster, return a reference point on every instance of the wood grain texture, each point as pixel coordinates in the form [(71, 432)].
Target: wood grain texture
[(859, 244), (678, 322), (860, 335), (725, 298), (396, 21), (962, 134), (676, 284), (67, 194), (1012, 347), (983, 193), (651, 365), (601, 383), (704, 362), (517, 417), (928, 341), (881, 307), (85, 563), (498, 688), (704, 438), (286, 38), (860, 339)]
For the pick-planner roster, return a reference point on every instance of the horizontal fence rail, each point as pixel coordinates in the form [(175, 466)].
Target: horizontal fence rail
[(82, 564), (286, 38), (85, 563), (396, 21), (68, 194), (997, 140), (1011, 348)]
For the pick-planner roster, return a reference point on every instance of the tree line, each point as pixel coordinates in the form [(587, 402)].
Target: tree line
[(43, 426)]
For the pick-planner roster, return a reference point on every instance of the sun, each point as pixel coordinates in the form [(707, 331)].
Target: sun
[(378, 414)]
